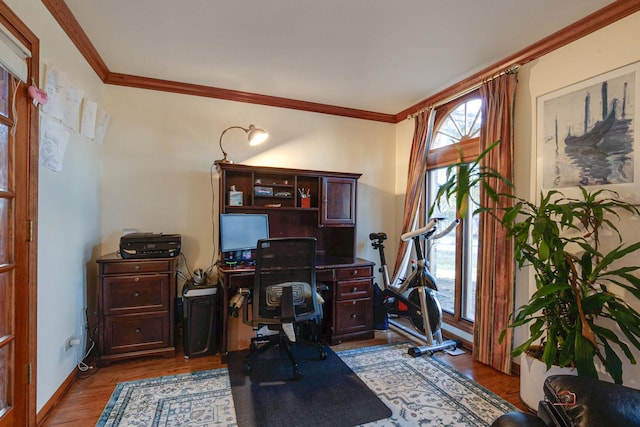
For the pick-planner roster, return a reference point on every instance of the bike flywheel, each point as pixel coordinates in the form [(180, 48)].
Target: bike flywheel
[(433, 307)]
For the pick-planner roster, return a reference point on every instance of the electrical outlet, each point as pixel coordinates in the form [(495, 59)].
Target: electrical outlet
[(71, 341)]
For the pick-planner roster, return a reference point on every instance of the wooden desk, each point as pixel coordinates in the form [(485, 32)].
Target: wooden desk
[(348, 307)]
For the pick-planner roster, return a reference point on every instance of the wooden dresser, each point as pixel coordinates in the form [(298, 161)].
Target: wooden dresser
[(135, 308)]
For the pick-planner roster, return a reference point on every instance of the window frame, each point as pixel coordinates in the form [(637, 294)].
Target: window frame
[(443, 157)]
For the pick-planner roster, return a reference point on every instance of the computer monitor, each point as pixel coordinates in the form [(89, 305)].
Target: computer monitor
[(239, 234)]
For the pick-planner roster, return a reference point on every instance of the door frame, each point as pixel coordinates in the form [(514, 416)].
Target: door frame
[(26, 238)]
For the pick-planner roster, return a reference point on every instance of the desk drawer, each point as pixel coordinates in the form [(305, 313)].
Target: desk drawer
[(354, 316), (353, 272), (353, 289), (135, 294), (134, 267)]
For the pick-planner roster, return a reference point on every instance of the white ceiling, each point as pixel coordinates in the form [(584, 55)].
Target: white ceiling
[(376, 55)]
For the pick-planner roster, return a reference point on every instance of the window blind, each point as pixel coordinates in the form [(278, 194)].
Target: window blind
[(13, 54)]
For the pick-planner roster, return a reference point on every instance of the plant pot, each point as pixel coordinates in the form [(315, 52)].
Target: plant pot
[(533, 372)]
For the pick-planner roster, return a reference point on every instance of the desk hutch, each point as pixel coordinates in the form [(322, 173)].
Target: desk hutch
[(330, 217)]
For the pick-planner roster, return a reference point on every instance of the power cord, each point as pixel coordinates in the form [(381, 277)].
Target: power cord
[(85, 369)]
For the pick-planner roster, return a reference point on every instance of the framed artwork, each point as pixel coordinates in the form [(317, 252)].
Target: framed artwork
[(586, 133)]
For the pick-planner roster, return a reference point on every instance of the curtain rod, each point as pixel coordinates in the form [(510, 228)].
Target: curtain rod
[(511, 70)]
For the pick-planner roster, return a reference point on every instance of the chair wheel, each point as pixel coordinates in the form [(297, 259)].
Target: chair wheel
[(296, 375), (323, 354)]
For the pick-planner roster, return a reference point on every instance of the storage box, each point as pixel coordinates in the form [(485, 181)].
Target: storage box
[(235, 198)]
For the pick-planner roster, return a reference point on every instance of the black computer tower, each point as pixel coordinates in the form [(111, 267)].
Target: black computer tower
[(200, 319)]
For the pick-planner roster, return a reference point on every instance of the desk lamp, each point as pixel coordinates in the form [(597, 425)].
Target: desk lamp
[(255, 136)]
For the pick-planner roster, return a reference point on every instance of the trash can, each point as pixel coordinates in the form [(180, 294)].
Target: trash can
[(200, 319)]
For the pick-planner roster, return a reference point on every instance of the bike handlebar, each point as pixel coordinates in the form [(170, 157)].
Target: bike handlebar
[(429, 229), (447, 230)]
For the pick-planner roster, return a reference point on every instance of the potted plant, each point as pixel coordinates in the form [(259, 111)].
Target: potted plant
[(578, 278)]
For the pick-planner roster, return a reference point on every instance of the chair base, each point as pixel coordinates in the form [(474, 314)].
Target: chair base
[(261, 344)]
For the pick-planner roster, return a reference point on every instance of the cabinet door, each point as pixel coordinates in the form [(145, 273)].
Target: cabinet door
[(338, 202)]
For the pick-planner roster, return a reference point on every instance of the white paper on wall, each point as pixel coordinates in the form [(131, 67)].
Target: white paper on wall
[(101, 127), (88, 120), (54, 137), (55, 86), (72, 104)]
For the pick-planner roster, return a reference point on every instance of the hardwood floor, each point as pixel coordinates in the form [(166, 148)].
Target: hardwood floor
[(87, 397)]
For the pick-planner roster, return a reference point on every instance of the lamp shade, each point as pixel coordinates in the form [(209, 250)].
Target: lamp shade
[(255, 136)]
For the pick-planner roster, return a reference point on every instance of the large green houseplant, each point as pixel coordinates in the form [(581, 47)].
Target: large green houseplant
[(577, 313)]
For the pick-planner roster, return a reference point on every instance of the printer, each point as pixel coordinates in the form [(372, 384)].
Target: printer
[(149, 245)]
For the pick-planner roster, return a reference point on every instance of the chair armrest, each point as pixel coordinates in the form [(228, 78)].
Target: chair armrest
[(287, 309), (597, 403)]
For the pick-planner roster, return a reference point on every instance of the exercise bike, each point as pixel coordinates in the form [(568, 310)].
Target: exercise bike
[(415, 297)]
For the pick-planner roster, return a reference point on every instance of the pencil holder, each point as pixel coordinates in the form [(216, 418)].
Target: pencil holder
[(305, 202)]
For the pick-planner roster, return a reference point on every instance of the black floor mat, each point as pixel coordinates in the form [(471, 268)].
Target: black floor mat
[(328, 394)]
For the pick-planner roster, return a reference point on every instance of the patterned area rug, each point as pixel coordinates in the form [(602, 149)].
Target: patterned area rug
[(423, 391), (419, 391)]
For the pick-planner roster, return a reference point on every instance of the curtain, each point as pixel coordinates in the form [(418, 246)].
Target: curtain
[(422, 136), (496, 265)]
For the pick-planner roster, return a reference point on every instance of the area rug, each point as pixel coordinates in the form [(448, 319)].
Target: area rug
[(423, 391), (196, 399), (419, 391), (328, 394)]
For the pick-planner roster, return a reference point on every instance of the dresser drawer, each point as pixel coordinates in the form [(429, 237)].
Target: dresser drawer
[(136, 333), (132, 267), (135, 294), (354, 289), (353, 272), (354, 316)]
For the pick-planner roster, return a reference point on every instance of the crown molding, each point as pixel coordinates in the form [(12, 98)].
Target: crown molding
[(239, 96)]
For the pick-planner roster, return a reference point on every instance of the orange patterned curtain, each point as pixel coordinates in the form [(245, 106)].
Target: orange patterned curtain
[(415, 182), (496, 265)]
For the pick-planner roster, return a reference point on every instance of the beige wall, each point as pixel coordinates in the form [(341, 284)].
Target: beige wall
[(69, 216), (160, 148)]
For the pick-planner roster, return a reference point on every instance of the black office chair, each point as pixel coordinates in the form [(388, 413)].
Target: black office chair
[(284, 297)]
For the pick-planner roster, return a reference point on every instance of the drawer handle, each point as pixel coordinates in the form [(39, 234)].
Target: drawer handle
[(353, 303), (353, 316), (138, 267), (355, 289), (136, 279), (354, 273), (138, 330), (136, 294)]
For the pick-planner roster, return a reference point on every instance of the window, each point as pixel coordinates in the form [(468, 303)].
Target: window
[(453, 258)]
